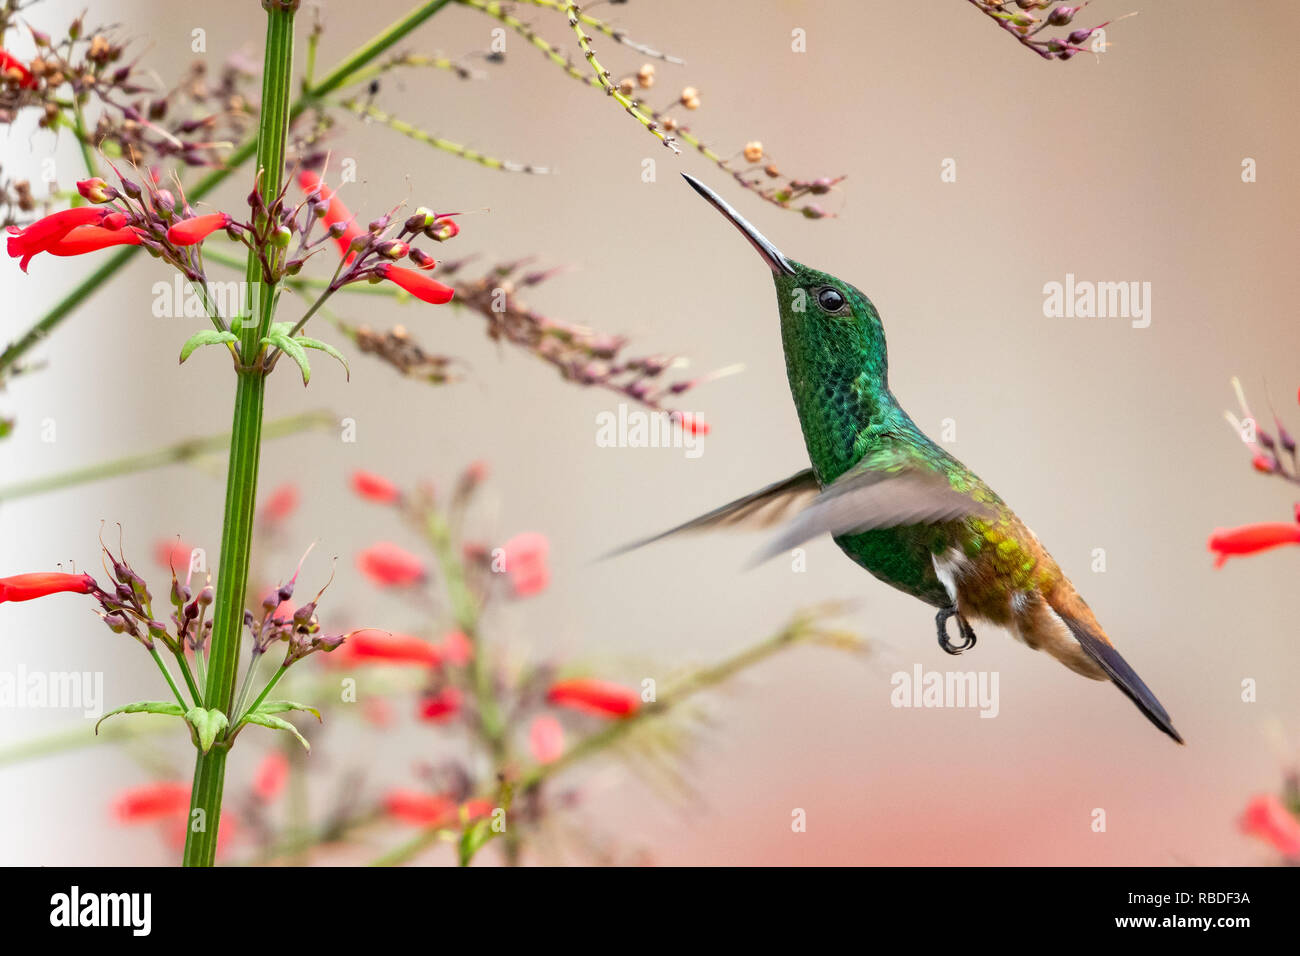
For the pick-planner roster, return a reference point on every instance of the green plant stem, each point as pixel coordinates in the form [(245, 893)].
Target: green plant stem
[(189, 677), (177, 453), (245, 453), (270, 685), (465, 610), (157, 659), (338, 77)]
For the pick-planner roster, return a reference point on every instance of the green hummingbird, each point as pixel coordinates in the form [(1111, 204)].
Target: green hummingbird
[(894, 501)]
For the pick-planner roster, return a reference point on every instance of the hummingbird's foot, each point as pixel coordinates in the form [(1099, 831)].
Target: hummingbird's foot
[(967, 632)]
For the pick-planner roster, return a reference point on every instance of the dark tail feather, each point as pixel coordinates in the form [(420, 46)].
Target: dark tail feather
[(1122, 675)]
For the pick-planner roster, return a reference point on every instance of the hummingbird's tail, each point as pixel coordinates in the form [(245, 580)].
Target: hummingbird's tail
[(1101, 654)]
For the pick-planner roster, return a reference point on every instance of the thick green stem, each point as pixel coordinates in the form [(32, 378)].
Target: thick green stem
[(338, 77), (245, 450)]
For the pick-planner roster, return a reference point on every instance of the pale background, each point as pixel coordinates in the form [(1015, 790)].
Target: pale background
[(1100, 435)]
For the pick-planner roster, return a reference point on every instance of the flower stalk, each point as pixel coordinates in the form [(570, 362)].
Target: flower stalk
[(245, 452)]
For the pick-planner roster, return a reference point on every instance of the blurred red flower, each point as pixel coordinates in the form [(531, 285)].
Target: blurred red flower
[(1268, 818), (152, 801), (281, 503), (546, 739), (375, 487), (592, 696), (436, 708), (373, 645), (272, 774), (421, 809), (525, 563), (172, 553), (387, 565), (456, 649), (15, 68)]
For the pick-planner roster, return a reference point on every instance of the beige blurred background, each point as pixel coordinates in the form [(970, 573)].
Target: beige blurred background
[(1099, 434)]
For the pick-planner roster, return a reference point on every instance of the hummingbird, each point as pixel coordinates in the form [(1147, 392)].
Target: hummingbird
[(894, 501)]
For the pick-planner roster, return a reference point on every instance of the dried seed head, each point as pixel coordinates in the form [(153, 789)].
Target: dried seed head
[(645, 77)]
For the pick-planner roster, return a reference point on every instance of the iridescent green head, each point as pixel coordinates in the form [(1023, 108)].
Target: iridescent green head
[(834, 349)]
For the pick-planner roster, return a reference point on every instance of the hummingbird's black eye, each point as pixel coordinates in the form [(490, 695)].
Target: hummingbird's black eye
[(830, 300)]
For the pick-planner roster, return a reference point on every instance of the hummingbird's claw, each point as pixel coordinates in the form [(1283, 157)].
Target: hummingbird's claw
[(967, 632)]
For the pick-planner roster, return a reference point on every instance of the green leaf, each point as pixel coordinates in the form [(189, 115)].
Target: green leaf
[(207, 724), (280, 706), (166, 707), (277, 723), (474, 839), (291, 348), (328, 350), (206, 337)]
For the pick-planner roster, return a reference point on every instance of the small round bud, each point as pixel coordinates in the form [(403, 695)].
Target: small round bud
[(753, 151)]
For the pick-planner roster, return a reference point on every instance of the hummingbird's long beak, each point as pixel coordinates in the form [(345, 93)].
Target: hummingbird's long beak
[(775, 261)]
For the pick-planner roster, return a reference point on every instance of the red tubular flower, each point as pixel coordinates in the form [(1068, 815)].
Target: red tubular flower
[(25, 587), (336, 212), (372, 645), (525, 563), (189, 231), (387, 565), (85, 239), (546, 739), (11, 66), (477, 808), (591, 696), (1268, 818), (421, 809), (23, 244), (1251, 538), (375, 487), (281, 503), (416, 283), (441, 706), (272, 774), (691, 424), (152, 801)]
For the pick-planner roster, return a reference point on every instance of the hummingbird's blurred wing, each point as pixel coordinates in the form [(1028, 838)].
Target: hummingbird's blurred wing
[(885, 491), (763, 509)]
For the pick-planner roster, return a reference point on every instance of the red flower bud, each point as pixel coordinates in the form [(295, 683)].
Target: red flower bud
[(187, 232), (390, 566), (1251, 538), (96, 190), (375, 487), (419, 285), (602, 698), (25, 587)]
